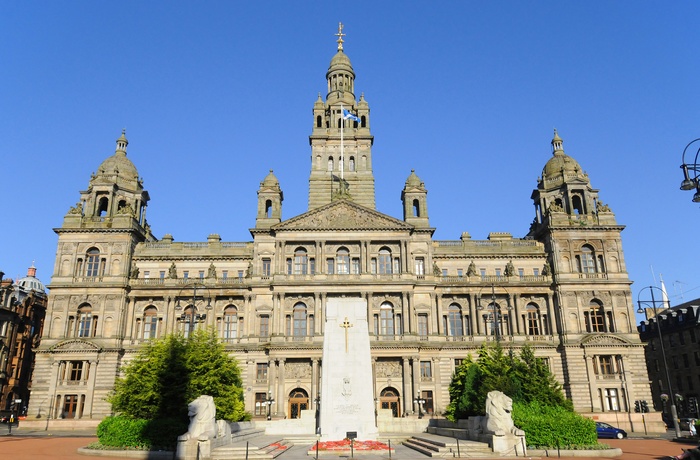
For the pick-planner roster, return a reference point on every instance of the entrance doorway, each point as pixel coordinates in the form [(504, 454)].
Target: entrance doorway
[(298, 401), (389, 399)]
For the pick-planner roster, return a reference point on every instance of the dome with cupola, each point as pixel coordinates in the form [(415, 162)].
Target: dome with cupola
[(31, 283), (118, 166)]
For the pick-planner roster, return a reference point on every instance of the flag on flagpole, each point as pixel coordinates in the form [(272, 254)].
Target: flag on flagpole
[(664, 296), (349, 116)]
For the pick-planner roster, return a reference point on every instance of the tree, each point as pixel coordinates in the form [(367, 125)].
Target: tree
[(170, 372), (524, 378)]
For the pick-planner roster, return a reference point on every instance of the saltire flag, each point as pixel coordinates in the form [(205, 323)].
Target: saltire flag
[(338, 179), (349, 116)]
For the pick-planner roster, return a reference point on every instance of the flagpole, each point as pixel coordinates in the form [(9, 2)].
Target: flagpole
[(342, 158)]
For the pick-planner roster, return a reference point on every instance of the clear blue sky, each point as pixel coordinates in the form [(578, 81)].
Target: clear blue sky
[(214, 94)]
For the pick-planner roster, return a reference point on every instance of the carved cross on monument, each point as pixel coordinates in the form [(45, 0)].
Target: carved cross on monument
[(345, 325)]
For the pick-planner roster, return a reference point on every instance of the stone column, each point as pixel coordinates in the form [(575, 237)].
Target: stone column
[(90, 391), (516, 310), (281, 397), (416, 379), (407, 311), (314, 383), (551, 317), (407, 396)]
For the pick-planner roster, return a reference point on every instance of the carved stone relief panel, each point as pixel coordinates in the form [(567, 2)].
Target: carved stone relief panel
[(395, 300), (388, 369), (297, 370)]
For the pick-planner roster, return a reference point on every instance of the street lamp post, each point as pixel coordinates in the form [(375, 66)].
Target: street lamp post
[(496, 315), (269, 402), (193, 317), (690, 183), (653, 302), (419, 401)]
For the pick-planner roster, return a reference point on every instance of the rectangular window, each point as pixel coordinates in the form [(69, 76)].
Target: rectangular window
[(355, 266), (458, 362), (397, 265), (606, 364), (75, 371), (240, 274), (161, 275), (521, 272), (146, 274), (373, 265), (384, 264), (186, 274), (536, 271), (266, 267), (150, 326), (261, 372), (224, 274), (460, 272), (423, 325), (693, 338), (84, 324), (498, 272), (611, 399), (201, 274), (264, 326), (260, 404), (426, 370), (482, 272), (681, 338), (289, 266), (330, 268), (312, 266), (444, 273), (686, 362), (420, 266)]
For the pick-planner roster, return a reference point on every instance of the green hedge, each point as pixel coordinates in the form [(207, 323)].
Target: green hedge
[(553, 426), (129, 433)]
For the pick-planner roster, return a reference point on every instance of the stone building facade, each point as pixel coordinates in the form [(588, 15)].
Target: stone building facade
[(22, 311), (680, 355), (562, 288)]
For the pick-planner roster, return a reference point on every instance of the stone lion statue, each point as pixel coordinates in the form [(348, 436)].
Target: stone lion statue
[(499, 420), (202, 413)]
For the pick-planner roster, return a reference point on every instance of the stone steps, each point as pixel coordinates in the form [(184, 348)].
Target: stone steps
[(445, 447), (237, 451)]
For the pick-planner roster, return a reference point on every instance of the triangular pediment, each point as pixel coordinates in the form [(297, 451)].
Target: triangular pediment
[(343, 215), (603, 340), (74, 345)]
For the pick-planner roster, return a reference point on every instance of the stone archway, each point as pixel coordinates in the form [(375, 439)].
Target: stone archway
[(390, 399), (298, 401)]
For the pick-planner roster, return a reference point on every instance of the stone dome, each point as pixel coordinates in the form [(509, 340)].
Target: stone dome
[(270, 180), (560, 163), (118, 164), (340, 61), (31, 282), (413, 180)]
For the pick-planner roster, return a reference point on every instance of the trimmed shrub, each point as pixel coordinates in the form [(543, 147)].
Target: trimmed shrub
[(554, 426), (129, 433), (122, 432)]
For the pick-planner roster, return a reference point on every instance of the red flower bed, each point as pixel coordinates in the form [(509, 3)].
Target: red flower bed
[(345, 445), (277, 445)]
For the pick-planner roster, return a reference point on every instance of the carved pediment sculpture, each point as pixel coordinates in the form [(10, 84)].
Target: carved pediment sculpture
[(75, 345), (342, 215)]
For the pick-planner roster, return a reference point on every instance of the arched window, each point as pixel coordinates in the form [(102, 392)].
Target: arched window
[(268, 208), (230, 323), (454, 321), (121, 204), (300, 320), (533, 319), (102, 206), (330, 163), (384, 261), (87, 324), (416, 208), (189, 320), (301, 262), (342, 259), (351, 164), (150, 323), (363, 121), (586, 260), (577, 204), (93, 262), (319, 121), (595, 317), (386, 319)]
